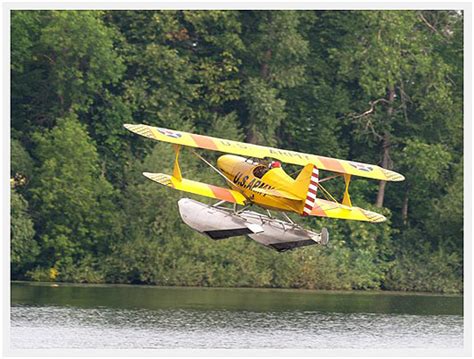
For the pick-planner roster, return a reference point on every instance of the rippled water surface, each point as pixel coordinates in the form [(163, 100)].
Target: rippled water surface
[(70, 316)]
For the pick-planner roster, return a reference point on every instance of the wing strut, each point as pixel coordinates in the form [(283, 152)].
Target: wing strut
[(347, 199), (176, 169), (219, 173)]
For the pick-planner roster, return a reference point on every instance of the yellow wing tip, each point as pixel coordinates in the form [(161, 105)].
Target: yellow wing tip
[(379, 219), (393, 176), (161, 178), (129, 126), (133, 128), (142, 130), (157, 177), (374, 217)]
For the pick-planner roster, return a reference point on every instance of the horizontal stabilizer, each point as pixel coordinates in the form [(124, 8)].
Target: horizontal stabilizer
[(323, 208), (200, 188)]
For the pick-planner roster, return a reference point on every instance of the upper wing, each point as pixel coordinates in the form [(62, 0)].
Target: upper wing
[(323, 208), (203, 189), (250, 150)]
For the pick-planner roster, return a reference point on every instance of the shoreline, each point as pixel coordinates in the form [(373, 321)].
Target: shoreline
[(302, 290)]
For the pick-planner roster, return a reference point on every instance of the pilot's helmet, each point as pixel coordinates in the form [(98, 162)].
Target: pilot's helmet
[(275, 164)]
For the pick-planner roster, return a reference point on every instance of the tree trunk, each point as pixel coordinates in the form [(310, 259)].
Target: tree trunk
[(264, 67), (251, 135), (385, 164), (386, 148), (405, 209)]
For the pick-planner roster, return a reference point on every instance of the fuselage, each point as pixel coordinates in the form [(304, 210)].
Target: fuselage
[(265, 186)]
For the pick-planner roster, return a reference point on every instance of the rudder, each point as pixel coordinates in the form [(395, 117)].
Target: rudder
[(306, 187)]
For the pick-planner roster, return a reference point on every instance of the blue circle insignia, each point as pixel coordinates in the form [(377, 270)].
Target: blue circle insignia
[(169, 133)]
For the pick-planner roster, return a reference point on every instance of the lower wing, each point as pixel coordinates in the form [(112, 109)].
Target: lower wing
[(200, 188), (323, 208)]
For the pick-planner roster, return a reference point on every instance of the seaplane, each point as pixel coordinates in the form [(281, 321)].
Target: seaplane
[(254, 177)]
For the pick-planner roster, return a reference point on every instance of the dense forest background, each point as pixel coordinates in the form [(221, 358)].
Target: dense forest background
[(383, 87)]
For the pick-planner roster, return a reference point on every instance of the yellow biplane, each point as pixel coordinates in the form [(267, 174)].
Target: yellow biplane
[(254, 176)]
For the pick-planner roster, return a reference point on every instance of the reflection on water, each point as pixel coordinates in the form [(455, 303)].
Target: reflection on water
[(91, 317)]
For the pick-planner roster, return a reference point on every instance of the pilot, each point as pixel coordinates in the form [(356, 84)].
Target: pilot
[(274, 164), (259, 171)]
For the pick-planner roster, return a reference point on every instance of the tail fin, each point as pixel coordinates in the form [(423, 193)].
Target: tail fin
[(306, 187)]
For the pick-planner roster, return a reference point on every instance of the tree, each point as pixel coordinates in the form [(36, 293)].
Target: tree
[(69, 58), (316, 106), (24, 249), (446, 223), (80, 57), (393, 85), (216, 47), (423, 165), (75, 208), (275, 58), (21, 164), (157, 85)]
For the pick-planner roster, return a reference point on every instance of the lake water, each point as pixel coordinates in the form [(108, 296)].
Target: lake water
[(146, 317)]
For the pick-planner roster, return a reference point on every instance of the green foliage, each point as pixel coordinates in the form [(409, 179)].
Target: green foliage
[(275, 56), (21, 163), (39, 274), (423, 163), (67, 58), (23, 28), (73, 203), (80, 54), (372, 86), (215, 38), (426, 270), (24, 249), (446, 224), (264, 105), (277, 49)]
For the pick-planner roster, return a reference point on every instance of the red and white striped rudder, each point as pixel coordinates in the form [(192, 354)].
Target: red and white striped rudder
[(312, 192)]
